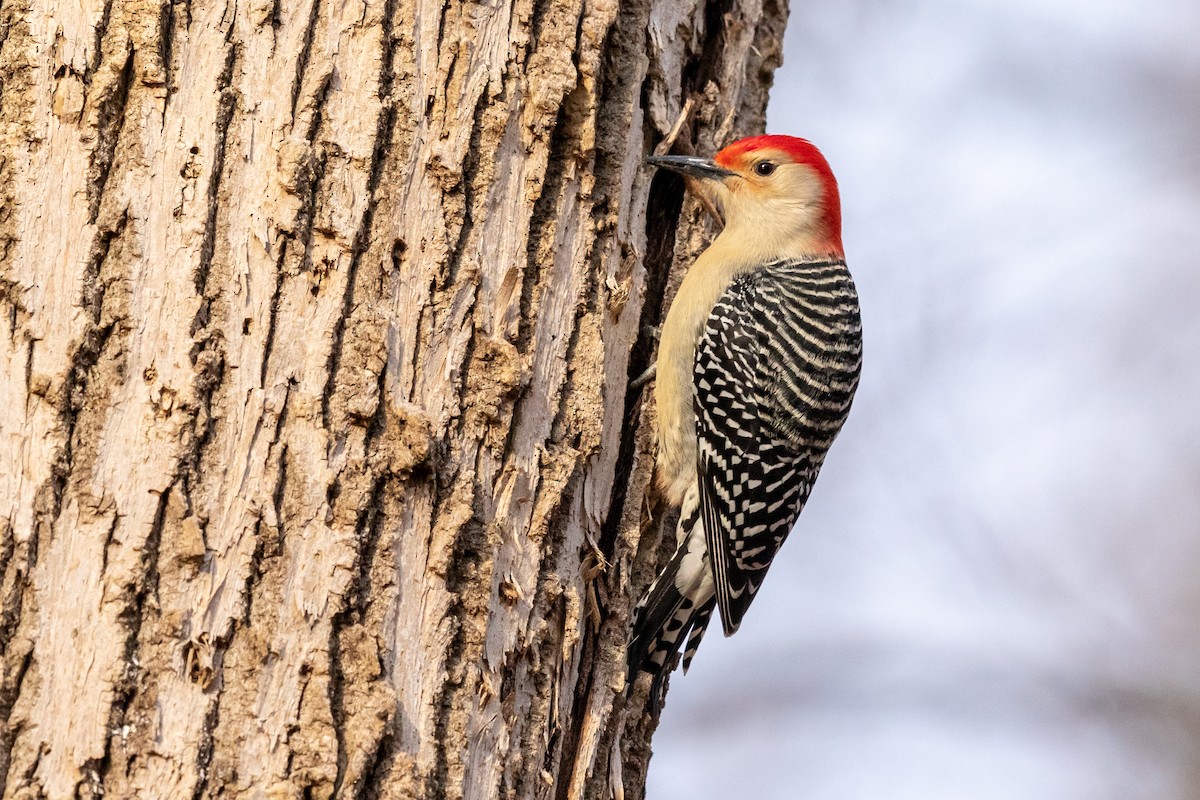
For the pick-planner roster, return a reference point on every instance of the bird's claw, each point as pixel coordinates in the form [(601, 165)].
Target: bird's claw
[(645, 377)]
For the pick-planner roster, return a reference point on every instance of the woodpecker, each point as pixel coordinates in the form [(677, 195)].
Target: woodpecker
[(758, 362)]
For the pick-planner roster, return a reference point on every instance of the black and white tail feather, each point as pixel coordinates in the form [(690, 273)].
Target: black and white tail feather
[(675, 608), (774, 376)]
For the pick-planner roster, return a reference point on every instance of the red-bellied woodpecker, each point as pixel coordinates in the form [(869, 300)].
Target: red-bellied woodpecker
[(758, 361)]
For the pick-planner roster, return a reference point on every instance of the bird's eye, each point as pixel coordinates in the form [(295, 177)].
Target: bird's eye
[(764, 168)]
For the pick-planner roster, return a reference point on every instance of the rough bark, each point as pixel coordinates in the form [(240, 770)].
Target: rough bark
[(319, 472)]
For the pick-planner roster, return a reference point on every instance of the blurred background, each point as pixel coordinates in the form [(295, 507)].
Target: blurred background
[(995, 589)]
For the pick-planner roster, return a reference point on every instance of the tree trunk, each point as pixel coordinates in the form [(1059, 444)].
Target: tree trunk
[(319, 470)]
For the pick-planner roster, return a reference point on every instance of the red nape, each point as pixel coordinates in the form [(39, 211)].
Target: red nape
[(800, 151)]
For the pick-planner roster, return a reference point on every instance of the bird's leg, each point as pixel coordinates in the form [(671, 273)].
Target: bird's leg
[(654, 332), (645, 377)]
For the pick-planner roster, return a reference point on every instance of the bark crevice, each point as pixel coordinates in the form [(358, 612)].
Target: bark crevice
[(303, 56), (131, 617), (362, 238), (110, 121), (97, 45), (225, 109)]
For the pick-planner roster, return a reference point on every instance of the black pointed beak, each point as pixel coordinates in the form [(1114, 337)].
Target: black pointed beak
[(691, 166)]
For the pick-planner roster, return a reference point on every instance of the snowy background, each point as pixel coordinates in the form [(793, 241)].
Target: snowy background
[(995, 590)]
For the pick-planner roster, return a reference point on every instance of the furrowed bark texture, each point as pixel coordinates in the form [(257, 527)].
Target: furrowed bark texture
[(319, 472)]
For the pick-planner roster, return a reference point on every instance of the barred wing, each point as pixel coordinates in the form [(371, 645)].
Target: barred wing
[(774, 375)]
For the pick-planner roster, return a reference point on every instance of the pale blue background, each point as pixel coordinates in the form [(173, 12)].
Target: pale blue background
[(995, 590)]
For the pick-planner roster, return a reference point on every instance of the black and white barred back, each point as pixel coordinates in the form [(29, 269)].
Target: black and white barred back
[(774, 376)]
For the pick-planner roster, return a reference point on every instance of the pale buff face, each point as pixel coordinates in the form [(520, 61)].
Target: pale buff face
[(786, 204), (776, 200)]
